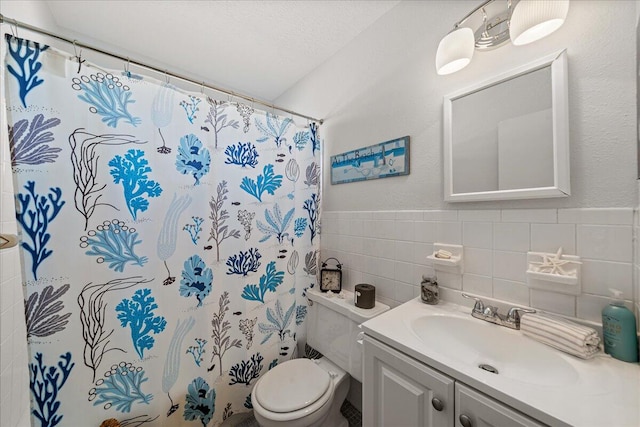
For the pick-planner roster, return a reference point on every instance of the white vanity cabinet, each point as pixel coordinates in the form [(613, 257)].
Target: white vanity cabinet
[(399, 391)]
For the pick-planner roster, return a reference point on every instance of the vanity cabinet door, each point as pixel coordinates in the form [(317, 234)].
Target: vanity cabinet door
[(399, 391), (474, 409)]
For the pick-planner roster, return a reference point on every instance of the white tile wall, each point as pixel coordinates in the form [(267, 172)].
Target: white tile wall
[(394, 246), (511, 237), (530, 215), (506, 290), (479, 285), (553, 302), (617, 275), (618, 216), (606, 242), (477, 235), (550, 237), (478, 261), (449, 232), (510, 266), (479, 215), (14, 374)]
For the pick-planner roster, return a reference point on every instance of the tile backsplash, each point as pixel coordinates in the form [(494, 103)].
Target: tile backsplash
[(388, 249)]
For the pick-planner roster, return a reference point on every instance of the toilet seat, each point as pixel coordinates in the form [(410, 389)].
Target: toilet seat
[(298, 385)]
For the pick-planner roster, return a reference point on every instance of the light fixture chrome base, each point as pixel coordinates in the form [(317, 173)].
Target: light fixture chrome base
[(495, 33)]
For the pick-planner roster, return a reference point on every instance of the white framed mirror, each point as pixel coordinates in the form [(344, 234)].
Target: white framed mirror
[(508, 137)]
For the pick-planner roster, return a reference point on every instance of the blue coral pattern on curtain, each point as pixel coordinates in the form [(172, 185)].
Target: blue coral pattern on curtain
[(167, 240)]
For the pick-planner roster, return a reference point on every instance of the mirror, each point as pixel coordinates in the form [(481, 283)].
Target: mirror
[(508, 137)]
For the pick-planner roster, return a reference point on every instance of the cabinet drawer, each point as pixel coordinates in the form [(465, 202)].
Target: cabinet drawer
[(474, 409)]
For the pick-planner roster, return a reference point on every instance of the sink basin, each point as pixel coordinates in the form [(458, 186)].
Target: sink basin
[(475, 342)]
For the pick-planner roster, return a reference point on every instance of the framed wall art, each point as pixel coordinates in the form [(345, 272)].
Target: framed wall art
[(383, 160)]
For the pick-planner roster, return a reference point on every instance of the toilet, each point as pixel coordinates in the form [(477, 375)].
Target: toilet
[(309, 393)]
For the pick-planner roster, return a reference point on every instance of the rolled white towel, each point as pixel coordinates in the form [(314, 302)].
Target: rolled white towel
[(578, 340)]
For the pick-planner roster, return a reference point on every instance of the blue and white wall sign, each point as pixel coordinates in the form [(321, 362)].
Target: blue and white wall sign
[(390, 158)]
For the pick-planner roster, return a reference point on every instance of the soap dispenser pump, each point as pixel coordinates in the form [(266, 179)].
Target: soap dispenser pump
[(619, 330)]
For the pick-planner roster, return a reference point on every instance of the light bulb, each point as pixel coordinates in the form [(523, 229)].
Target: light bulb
[(534, 19), (455, 51)]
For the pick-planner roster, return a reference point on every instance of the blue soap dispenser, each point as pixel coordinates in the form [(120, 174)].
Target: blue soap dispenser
[(619, 330)]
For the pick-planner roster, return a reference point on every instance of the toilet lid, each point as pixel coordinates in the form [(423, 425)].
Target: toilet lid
[(291, 386)]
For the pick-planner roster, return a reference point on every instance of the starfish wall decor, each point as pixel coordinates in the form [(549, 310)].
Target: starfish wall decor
[(554, 264)]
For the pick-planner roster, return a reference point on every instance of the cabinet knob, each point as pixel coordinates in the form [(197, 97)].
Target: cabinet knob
[(465, 421), (437, 404)]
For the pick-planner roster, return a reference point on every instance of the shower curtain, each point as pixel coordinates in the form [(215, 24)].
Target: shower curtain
[(167, 242)]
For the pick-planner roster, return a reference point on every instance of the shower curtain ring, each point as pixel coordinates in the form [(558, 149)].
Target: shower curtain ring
[(202, 88), (126, 68), (15, 25), (166, 76), (78, 56)]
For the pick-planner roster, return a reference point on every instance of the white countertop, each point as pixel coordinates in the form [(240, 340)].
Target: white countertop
[(606, 393)]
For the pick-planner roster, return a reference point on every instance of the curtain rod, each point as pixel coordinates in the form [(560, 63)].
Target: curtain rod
[(76, 43)]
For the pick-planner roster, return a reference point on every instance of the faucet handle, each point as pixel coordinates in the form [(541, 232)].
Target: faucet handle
[(514, 314), (490, 311), (479, 305)]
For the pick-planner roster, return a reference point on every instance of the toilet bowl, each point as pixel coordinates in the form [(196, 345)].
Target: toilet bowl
[(309, 393), (301, 393)]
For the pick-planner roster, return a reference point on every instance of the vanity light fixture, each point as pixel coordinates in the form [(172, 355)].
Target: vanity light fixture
[(494, 23)]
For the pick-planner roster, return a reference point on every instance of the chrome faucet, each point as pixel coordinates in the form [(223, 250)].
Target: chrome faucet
[(490, 313)]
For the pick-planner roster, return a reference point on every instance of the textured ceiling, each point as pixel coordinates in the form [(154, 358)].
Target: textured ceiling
[(259, 48)]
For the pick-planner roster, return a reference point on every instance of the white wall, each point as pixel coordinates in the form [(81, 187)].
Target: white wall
[(33, 12), (14, 374), (384, 85)]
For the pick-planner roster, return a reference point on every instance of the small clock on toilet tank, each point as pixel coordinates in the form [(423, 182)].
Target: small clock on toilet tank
[(331, 277)]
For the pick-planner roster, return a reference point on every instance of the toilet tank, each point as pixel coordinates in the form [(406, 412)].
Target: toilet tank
[(333, 326)]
